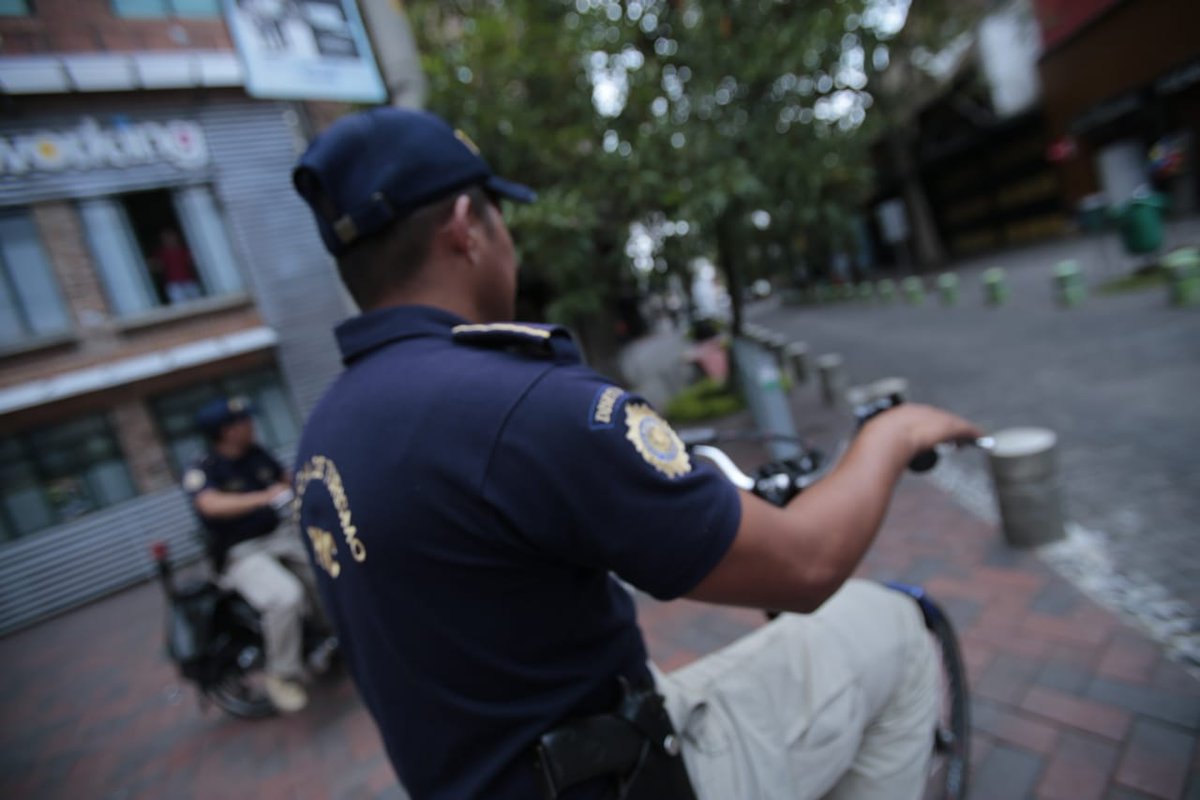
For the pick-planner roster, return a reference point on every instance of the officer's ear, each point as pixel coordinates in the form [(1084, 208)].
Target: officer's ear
[(462, 228)]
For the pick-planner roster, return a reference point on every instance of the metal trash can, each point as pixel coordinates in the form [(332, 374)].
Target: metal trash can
[(1024, 466)]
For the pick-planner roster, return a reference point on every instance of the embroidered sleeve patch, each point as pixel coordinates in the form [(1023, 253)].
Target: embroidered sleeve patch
[(194, 480), (604, 406), (656, 441)]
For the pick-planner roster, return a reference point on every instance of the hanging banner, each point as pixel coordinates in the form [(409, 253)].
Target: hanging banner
[(304, 50)]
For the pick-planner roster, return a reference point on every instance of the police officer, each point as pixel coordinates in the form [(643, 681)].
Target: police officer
[(468, 488), (237, 489)]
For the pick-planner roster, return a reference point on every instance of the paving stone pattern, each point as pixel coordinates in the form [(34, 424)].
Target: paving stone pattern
[(1069, 701), (1117, 378)]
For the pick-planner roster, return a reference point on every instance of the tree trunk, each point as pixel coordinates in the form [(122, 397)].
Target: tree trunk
[(727, 256), (922, 230)]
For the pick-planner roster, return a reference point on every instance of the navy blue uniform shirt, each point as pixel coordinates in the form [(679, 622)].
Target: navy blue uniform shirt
[(465, 492), (255, 470)]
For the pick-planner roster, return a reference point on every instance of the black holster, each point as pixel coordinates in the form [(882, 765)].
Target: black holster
[(635, 746)]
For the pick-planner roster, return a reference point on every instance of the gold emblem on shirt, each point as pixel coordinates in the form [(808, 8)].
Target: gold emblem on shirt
[(325, 548), (654, 439)]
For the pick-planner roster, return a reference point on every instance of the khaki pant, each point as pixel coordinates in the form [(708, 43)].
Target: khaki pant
[(840, 703), (273, 574)]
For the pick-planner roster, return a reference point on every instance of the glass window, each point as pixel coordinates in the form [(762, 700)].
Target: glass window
[(160, 248), (14, 8), (53, 475), (31, 304), (275, 420), (165, 8)]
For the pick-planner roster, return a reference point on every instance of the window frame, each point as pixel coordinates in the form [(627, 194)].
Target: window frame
[(25, 443), (123, 253), (32, 338)]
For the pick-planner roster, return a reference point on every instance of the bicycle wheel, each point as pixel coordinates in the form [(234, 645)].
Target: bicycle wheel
[(950, 765)]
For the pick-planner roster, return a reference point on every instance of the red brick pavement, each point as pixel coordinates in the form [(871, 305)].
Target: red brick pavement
[(1069, 701)]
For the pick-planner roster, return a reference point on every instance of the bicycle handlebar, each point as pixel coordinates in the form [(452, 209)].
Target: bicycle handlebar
[(779, 481)]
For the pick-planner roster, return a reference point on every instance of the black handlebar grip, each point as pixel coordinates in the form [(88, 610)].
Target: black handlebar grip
[(924, 461)]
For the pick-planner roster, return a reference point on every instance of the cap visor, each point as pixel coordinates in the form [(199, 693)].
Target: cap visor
[(513, 191)]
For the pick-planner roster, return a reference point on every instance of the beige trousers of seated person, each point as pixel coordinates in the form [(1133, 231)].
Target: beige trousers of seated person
[(840, 703), (273, 574)]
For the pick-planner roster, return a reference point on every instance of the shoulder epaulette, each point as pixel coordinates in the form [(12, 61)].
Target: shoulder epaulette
[(544, 341)]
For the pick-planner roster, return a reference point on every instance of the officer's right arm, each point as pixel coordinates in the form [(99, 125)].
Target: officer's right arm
[(795, 558), (216, 504), (213, 503)]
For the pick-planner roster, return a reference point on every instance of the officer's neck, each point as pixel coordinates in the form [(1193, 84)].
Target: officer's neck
[(231, 450), (457, 299)]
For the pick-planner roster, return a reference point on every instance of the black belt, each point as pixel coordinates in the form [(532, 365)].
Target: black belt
[(635, 745)]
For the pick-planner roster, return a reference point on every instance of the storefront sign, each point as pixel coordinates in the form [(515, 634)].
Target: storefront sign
[(304, 50), (90, 146)]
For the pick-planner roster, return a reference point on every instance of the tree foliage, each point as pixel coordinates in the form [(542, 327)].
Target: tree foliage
[(710, 111)]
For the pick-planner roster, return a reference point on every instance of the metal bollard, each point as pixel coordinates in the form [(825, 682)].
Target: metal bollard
[(797, 357), (947, 284), (995, 290), (1068, 284), (1183, 276), (777, 344), (1024, 474), (833, 380), (888, 387), (914, 290), (886, 289)]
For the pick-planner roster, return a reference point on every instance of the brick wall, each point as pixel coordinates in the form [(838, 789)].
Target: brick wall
[(88, 26), (62, 235), (144, 451)]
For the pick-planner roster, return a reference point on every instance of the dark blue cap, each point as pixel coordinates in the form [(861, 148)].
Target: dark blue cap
[(374, 167), (218, 413)]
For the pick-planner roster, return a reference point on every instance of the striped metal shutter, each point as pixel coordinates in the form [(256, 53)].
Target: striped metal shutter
[(253, 147)]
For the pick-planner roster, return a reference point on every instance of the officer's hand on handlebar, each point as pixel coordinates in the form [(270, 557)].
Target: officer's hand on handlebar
[(921, 428)]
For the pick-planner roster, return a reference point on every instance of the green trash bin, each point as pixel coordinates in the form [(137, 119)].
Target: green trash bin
[(1141, 222)]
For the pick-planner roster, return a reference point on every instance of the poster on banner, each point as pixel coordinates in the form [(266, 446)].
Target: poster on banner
[(304, 50)]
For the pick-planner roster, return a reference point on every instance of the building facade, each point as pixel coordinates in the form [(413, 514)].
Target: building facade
[(1121, 82), (153, 255)]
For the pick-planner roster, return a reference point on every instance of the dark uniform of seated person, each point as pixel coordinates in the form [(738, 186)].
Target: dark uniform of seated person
[(236, 489), (469, 489)]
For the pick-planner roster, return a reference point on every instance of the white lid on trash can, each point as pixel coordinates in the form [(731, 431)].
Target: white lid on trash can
[(1017, 442)]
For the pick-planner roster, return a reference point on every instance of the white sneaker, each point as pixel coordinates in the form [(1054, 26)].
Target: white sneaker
[(287, 696)]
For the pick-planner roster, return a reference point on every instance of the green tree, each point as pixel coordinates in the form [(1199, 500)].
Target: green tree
[(513, 75), (709, 111)]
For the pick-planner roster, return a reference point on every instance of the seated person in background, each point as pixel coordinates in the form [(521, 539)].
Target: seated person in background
[(235, 489)]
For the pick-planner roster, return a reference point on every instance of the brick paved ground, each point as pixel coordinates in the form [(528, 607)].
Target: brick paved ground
[(1069, 701)]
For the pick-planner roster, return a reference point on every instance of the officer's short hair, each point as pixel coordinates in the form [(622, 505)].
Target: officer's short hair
[(389, 259)]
